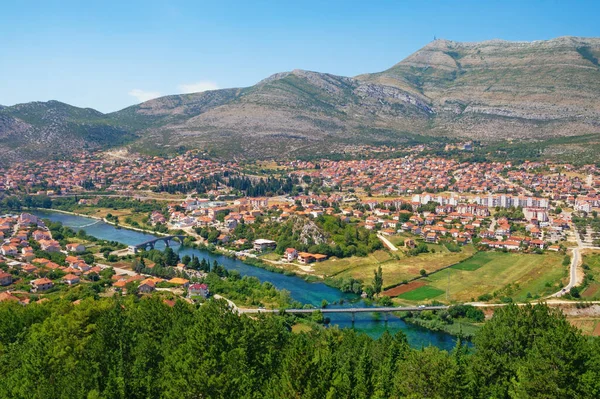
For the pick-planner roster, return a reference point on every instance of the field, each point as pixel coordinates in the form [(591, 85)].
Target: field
[(401, 289), (589, 326), (511, 275), (592, 291), (395, 267), (421, 294)]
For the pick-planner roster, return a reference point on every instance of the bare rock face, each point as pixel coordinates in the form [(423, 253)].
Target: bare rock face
[(310, 233), (488, 91)]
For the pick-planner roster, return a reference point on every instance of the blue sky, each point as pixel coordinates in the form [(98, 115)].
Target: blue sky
[(111, 54)]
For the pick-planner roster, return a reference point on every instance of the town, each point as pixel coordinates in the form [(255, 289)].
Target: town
[(518, 232)]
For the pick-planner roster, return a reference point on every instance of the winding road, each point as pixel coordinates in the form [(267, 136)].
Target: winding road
[(576, 260)]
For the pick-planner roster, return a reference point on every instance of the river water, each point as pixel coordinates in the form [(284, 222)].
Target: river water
[(300, 290)]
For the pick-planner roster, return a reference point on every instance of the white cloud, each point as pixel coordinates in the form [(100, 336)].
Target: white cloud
[(198, 87), (143, 95)]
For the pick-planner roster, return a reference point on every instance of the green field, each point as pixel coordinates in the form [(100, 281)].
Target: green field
[(396, 267), (475, 262), (513, 275), (421, 294)]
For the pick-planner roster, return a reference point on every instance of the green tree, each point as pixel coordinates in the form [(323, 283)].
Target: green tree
[(378, 280)]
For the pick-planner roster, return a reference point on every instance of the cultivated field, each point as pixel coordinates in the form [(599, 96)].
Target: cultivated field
[(395, 267), (514, 275)]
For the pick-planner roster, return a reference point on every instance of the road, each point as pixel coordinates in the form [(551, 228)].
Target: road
[(232, 305), (511, 184), (387, 243), (576, 260), (348, 310)]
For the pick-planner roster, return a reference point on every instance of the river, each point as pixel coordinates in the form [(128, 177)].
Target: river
[(300, 290)]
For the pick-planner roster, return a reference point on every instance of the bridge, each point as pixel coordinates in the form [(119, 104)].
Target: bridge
[(150, 243), (352, 311)]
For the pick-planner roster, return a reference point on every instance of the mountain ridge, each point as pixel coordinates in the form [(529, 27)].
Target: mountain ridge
[(489, 91)]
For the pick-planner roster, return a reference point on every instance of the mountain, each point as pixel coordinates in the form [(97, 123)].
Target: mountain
[(488, 91), (499, 89), (44, 129), (286, 113)]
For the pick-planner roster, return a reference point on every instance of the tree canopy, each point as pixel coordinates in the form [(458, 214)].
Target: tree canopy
[(126, 347)]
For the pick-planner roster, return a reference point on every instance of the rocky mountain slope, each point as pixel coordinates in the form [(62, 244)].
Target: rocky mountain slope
[(500, 89), (488, 91)]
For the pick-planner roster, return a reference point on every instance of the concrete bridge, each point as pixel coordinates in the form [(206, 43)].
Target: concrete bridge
[(150, 243), (352, 311)]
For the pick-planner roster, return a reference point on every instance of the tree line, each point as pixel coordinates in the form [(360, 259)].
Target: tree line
[(143, 348)]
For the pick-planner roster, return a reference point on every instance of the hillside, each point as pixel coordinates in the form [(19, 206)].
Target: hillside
[(45, 129), (499, 89), (488, 91)]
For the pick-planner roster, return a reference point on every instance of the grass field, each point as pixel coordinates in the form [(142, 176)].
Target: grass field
[(421, 294), (475, 262), (271, 256), (395, 267), (512, 275)]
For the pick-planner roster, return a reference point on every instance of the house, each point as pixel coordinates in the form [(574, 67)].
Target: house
[(27, 254), (409, 243), (319, 257), (29, 269), (50, 245), (180, 282), (198, 290), (75, 247), (431, 237), (511, 245), (537, 243), (5, 278), (147, 286), (41, 235), (7, 296), (262, 244), (291, 254), (305, 257), (8, 250), (71, 279), (41, 284), (119, 285)]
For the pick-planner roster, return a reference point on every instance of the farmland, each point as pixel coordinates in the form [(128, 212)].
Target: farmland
[(396, 267), (499, 275)]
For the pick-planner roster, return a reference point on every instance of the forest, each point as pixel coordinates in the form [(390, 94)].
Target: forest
[(337, 238), (127, 347), (242, 185)]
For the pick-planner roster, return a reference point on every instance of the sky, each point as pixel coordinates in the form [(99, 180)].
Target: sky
[(112, 54)]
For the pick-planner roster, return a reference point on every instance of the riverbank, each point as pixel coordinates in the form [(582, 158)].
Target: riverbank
[(460, 329), (299, 290)]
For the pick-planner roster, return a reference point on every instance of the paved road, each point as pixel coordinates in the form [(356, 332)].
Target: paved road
[(387, 243), (576, 260)]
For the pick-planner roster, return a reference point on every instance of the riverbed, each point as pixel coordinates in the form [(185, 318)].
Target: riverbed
[(300, 290)]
